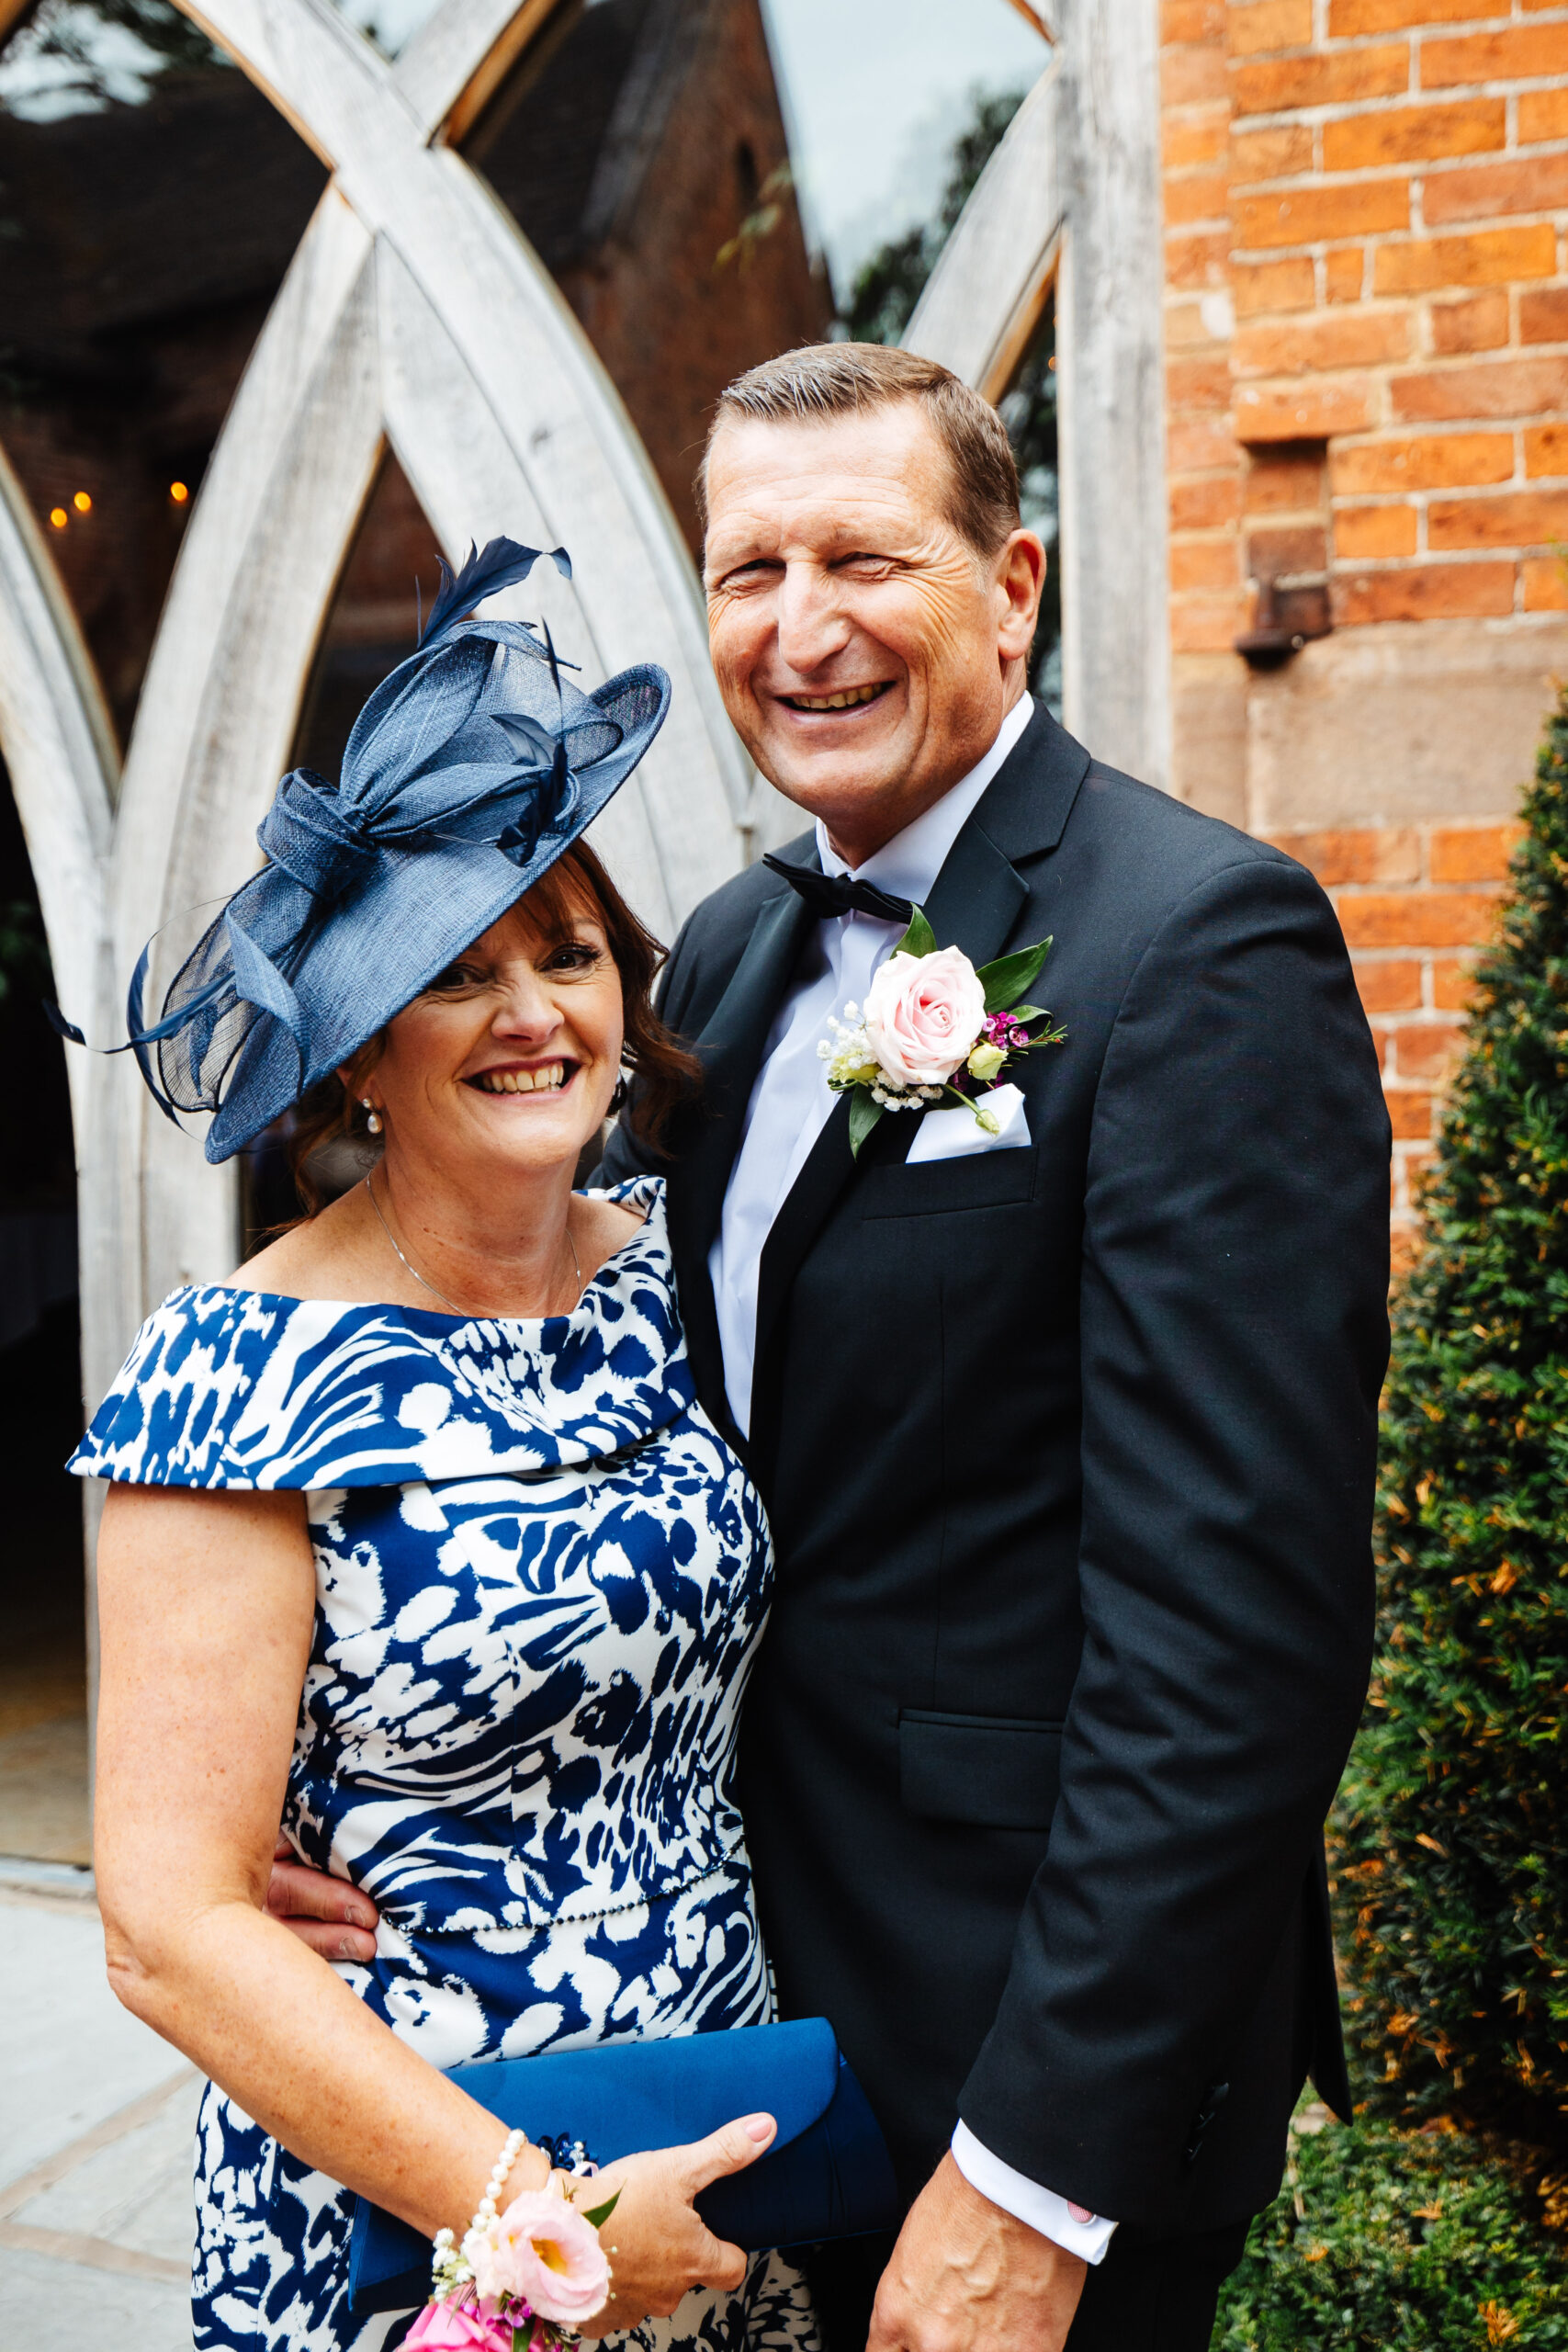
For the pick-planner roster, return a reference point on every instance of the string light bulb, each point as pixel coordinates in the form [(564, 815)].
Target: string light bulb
[(82, 502), (179, 492), (58, 518)]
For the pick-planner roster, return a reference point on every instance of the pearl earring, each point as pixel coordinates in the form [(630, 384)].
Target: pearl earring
[(373, 1116)]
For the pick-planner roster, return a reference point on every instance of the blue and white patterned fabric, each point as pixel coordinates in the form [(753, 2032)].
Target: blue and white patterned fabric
[(541, 1575)]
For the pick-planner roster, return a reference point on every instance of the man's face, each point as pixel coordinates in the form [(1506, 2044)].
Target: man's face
[(865, 652)]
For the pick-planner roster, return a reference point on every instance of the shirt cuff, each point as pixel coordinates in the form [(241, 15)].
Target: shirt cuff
[(1042, 2209)]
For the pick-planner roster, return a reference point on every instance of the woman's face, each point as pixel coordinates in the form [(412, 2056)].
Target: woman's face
[(512, 1054)]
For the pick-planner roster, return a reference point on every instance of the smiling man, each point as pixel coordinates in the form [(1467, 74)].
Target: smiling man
[(1067, 1443), (864, 663), (1067, 1436)]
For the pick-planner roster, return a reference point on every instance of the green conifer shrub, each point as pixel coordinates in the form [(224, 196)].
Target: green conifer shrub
[(1391, 2241), (1453, 1830)]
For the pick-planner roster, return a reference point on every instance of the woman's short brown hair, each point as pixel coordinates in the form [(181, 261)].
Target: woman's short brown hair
[(666, 1074)]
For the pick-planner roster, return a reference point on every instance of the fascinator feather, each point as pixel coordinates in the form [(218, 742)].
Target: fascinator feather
[(468, 772)]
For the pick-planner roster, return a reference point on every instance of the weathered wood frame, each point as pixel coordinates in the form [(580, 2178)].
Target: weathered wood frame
[(1071, 200)]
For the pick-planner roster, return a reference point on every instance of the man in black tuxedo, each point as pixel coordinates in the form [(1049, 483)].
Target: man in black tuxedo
[(1067, 1442)]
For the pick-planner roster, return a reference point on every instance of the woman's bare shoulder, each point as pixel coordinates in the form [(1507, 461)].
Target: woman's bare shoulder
[(322, 1257)]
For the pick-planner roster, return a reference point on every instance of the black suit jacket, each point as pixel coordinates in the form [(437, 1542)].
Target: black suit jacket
[(1068, 1452)]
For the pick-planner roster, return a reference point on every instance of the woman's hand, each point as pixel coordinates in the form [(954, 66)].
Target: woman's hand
[(659, 2245)]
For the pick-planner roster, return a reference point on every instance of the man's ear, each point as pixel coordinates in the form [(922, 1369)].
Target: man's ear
[(1019, 576)]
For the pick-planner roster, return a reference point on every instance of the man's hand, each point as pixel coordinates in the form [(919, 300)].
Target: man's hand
[(965, 2276), (326, 1913)]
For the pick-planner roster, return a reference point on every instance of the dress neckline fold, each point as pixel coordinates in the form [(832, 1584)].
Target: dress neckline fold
[(449, 1317)]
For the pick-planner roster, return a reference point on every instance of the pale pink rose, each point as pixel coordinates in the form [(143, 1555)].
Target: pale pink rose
[(542, 2252), (457, 2327), (923, 1013)]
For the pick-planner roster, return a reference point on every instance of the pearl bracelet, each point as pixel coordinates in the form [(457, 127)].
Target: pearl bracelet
[(450, 2268), (515, 2143)]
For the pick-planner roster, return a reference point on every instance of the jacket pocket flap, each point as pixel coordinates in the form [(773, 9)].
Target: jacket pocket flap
[(980, 1181), (992, 1772)]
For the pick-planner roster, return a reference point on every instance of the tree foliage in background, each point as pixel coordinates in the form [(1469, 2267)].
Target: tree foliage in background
[(1452, 1829), (888, 286), (885, 292), (1392, 2241), (104, 71)]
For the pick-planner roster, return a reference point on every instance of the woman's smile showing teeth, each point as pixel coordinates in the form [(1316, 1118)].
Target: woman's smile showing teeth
[(549, 1078)]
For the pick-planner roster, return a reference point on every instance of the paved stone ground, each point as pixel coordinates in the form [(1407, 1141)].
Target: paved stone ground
[(96, 2118)]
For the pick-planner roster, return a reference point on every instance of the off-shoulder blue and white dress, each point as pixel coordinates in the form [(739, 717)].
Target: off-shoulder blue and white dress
[(541, 1575)]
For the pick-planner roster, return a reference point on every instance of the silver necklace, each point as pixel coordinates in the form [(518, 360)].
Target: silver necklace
[(430, 1287)]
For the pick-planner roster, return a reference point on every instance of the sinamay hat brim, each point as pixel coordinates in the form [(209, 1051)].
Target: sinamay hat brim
[(469, 773)]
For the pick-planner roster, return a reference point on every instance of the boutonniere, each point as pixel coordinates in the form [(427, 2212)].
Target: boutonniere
[(933, 1028)]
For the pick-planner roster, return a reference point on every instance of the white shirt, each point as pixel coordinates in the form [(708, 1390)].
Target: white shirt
[(790, 1106)]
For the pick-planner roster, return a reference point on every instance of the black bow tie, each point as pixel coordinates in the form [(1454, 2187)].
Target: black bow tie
[(840, 894)]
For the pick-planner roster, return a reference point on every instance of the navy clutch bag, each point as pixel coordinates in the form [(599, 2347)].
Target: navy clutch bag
[(827, 2174)]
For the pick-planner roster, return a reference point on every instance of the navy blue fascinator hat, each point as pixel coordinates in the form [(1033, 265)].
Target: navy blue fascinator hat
[(468, 772)]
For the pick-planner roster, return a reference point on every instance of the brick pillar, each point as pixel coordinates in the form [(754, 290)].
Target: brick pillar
[(1413, 901), (1367, 324)]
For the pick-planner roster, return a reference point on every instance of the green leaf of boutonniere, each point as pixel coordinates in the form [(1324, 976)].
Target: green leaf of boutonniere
[(864, 1113), (1005, 980), (520, 2336), (920, 939), (1021, 1013), (599, 2214)]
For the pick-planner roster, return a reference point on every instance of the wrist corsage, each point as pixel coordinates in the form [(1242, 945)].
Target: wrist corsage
[(523, 2280), (933, 1028)]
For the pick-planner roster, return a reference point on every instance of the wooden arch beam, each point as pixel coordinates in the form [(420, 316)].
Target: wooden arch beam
[(1072, 197)]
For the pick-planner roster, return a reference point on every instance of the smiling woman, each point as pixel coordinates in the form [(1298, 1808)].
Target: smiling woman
[(572, 914), (484, 1091), (476, 1533)]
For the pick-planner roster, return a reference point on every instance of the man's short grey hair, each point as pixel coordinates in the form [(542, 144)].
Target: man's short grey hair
[(823, 379)]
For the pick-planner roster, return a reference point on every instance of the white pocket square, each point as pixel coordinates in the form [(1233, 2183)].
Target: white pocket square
[(958, 1135)]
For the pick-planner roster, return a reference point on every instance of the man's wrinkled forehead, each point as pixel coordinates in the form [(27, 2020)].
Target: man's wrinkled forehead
[(823, 484)]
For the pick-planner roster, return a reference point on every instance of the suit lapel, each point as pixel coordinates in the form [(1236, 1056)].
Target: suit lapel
[(977, 897), (804, 1210), (730, 1048)]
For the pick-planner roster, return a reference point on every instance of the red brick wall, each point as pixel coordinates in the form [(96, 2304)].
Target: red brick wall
[(1413, 901), (1383, 199), (1367, 344)]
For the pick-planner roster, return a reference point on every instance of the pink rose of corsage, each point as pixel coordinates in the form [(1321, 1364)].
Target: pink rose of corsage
[(541, 2252), (922, 1015), (933, 1028), (524, 2281)]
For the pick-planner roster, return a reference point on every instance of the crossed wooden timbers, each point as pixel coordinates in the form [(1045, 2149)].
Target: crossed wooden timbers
[(412, 313)]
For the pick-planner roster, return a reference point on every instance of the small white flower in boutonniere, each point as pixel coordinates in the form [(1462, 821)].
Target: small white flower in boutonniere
[(933, 1028)]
